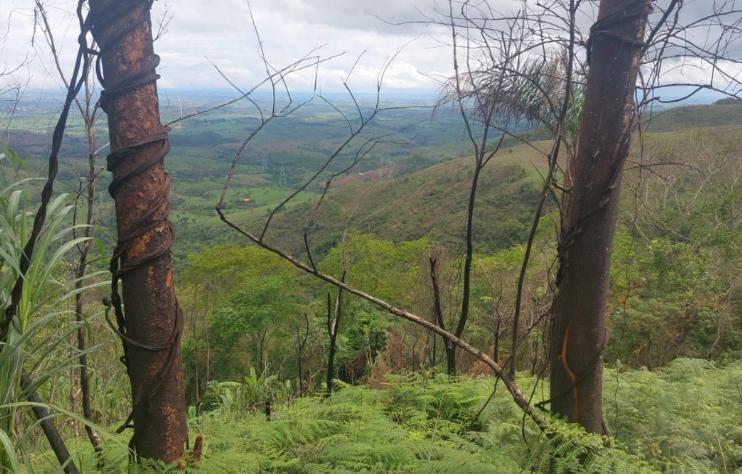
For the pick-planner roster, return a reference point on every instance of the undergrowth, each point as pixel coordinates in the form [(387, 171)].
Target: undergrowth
[(681, 418)]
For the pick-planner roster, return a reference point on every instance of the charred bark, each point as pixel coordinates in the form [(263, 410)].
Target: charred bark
[(333, 328), (50, 430), (590, 212), (84, 249), (468, 258), (301, 343), (88, 109), (449, 347), (496, 349), (142, 260)]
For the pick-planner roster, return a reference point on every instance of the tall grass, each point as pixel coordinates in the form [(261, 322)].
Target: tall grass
[(39, 329)]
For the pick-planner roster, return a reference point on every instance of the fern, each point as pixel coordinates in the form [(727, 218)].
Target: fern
[(423, 426), (568, 448)]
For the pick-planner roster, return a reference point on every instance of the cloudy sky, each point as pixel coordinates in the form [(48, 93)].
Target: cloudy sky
[(201, 31), (221, 31)]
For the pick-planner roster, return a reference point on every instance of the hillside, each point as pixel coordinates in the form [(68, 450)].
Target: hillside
[(724, 112), (432, 202), (428, 203), (673, 296), (379, 237), (399, 194)]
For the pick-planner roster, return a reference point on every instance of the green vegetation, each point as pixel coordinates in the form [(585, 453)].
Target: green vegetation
[(417, 423), (32, 346), (724, 112), (429, 203), (255, 327)]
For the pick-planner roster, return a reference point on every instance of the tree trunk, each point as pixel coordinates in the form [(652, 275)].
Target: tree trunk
[(142, 260), (468, 262), (300, 345), (496, 350), (450, 358), (438, 316), (300, 372), (433, 344), (50, 430), (590, 212), (84, 247), (331, 365), (333, 327)]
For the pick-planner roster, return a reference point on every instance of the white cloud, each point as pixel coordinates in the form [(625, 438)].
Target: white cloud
[(221, 31)]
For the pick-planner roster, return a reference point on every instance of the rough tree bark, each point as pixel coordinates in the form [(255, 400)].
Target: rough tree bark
[(153, 322), (590, 212)]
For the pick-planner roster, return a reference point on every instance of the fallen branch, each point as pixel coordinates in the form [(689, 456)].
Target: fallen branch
[(515, 392)]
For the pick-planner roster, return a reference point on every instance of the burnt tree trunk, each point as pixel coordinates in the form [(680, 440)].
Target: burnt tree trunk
[(152, 323), (468, 262), (496, 349), (448, 346), (301, 343), (46, 422), (450, 358), (590, 212), (333, 328), (332, 333), (80, 273)]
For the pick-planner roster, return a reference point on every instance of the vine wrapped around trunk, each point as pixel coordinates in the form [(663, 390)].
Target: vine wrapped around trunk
[(152, 324)]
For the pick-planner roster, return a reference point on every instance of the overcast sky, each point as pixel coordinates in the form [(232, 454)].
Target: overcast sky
[(220, 30)]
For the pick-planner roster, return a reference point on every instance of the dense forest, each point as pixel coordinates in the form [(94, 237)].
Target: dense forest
[(532, 267)]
